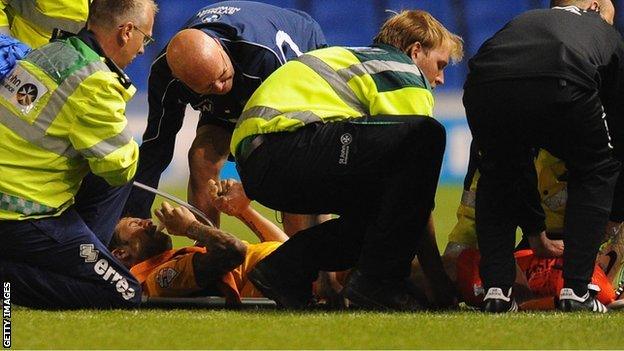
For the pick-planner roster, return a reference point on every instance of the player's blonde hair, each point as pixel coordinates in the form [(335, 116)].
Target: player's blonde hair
[(409, 26)]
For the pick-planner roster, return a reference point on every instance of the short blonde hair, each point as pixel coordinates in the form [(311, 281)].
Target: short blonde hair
[(111, 13), (409, 26)]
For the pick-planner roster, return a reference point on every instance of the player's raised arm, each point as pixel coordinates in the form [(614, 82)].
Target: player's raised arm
[(224, 251), (229, 197)]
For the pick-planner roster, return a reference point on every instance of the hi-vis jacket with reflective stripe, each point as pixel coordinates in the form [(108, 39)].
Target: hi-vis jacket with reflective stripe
[(61, 115), (335, 84), (32, 21)]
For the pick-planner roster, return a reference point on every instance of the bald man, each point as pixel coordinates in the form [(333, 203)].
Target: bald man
[(214, 65)]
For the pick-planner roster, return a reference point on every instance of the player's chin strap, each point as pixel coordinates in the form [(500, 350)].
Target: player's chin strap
[(196, 211)]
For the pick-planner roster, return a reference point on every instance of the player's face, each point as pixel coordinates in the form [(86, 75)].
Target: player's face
[(221, 77), (143, 239), (432, 63)]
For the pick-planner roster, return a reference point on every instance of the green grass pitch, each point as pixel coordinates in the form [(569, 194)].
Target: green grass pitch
[(203, 329)]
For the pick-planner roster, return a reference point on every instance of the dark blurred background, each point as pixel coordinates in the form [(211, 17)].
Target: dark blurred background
[(355, 22)]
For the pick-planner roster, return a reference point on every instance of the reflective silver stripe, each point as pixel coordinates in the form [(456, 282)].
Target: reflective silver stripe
[(36, 133), (35, 136), (105, 147), (63, 91), (28, 10), (19, 205), (263, 112), (267, 113), (337, 83), (377, 66), (304, 116)]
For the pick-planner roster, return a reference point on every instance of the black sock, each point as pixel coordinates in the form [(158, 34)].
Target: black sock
[(579, 286)]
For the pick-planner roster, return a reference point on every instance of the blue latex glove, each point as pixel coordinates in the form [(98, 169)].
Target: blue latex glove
[(11, 50)]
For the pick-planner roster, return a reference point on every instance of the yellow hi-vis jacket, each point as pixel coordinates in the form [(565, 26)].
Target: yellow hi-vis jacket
[(335, 84), (61, 115), (32, 21)]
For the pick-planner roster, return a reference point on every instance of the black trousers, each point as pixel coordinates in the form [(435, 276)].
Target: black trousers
[(508, 120), (379, 174)]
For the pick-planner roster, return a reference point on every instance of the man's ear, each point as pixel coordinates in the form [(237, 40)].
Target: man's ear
[(124, 33), (594, 6), (415, 50)]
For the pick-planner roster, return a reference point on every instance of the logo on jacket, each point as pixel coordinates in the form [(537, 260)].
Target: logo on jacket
[(22, 89), (221, 10), (89, 253), (204, 105), (27, 94), (213, 18), (165, 276), (345, 140), (107, 271)]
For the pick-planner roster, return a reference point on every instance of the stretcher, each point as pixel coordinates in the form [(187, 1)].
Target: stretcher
[(205, 302)]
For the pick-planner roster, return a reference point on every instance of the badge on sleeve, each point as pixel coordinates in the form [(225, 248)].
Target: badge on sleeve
[(22, 89)]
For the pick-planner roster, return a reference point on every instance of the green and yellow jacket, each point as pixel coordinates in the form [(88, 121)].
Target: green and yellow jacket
[(62, 114), (335, 84), (32, 21)]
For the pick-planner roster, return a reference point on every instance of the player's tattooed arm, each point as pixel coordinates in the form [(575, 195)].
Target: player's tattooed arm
[(223, 251)]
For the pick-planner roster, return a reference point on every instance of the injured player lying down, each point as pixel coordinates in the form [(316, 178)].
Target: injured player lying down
[(216, 266)]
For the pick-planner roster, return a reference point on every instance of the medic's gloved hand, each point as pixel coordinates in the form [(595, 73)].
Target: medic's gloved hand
[(11, 50)]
